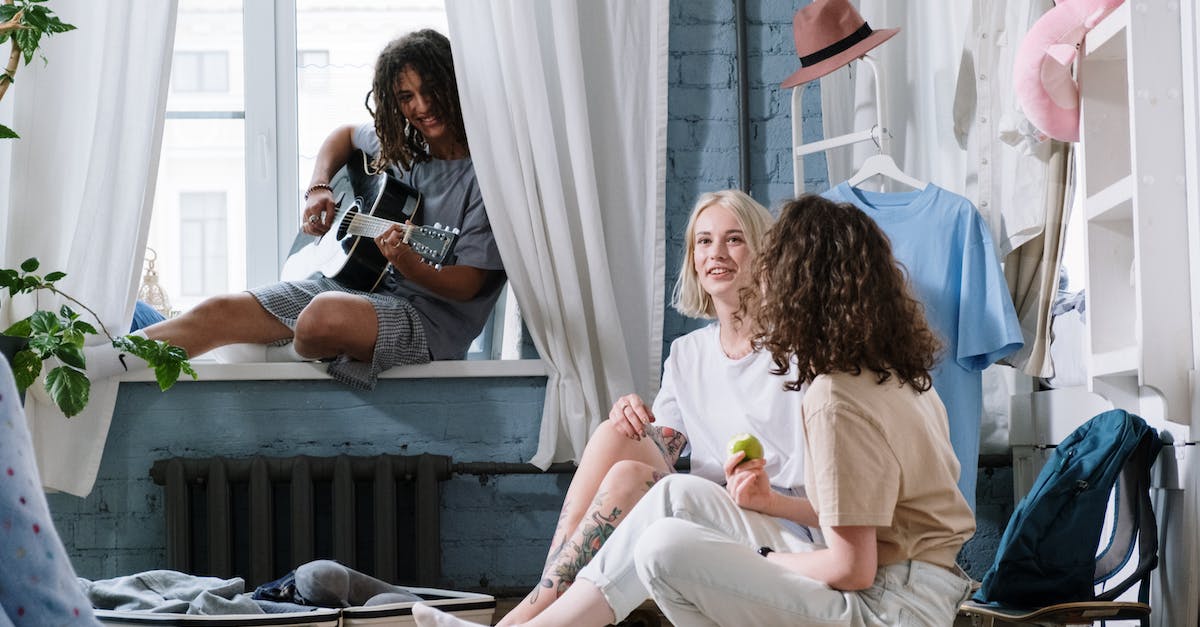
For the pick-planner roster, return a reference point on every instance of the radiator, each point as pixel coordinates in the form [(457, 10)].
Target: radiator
[(260, 517)]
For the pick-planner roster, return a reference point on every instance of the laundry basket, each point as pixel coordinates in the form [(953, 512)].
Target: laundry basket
[(318, 617), (469, 606)]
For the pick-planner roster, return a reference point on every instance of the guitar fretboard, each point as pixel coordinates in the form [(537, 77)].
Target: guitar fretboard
[(370, 226)]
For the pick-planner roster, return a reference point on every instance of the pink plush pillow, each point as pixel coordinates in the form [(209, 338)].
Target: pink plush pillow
[(1042, 77)]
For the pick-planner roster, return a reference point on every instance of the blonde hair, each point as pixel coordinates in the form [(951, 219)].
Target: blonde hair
[(689, 298)]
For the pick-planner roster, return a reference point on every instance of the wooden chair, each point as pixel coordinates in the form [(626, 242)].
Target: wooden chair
[(1059, 615)]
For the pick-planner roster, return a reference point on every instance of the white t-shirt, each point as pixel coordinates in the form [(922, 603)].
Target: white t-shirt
[(710, 398)]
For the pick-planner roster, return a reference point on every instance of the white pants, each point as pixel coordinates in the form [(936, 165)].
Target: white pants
[(691, 549)]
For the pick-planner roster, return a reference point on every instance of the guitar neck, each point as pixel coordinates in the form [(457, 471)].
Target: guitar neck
[(371, 226)]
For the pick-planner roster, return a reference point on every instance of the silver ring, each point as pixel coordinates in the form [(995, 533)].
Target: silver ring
[(312, 219)]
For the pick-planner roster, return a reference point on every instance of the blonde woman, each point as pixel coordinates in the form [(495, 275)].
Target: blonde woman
[(714, 386)]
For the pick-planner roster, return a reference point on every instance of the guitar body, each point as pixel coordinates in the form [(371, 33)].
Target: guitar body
[(353, 259)]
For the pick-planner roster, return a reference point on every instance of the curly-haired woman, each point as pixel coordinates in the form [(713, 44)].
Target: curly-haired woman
[(834, 310), (419, 313)]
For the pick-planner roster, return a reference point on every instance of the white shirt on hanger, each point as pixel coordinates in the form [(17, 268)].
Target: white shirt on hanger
[(1007, 164)]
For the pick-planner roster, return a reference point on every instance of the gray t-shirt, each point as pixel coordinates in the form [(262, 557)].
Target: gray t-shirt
[(450, 195)]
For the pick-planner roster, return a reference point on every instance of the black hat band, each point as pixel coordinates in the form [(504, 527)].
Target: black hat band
[(837, 47)]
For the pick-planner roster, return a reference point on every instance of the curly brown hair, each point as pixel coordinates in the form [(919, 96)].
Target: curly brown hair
[(427, 52), (830, 297)]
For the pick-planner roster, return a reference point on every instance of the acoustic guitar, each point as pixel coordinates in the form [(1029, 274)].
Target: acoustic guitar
[(347, 252)]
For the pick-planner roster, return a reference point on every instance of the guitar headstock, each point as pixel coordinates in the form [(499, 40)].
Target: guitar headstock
[(433, 243)]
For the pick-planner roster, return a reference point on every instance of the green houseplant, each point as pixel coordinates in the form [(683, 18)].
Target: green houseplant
[(60, 335), (24, 23)]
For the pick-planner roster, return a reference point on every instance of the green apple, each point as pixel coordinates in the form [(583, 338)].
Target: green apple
[(746, 443)]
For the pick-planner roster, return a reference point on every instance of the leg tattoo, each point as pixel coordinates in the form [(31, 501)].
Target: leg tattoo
[(594, 535), (669, 442)]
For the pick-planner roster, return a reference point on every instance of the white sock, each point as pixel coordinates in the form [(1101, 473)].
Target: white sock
[(105, 360), (427, 616)]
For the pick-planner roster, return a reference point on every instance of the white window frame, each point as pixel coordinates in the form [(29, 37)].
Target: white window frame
[(271, 136)]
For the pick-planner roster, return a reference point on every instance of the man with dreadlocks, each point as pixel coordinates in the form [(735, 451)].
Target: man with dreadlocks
[(420, 313)]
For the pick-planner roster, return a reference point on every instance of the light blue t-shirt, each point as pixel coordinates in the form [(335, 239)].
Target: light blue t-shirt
[(947, 251)]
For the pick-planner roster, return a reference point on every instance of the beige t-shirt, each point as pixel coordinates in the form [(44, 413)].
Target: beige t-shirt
[(878, 455)]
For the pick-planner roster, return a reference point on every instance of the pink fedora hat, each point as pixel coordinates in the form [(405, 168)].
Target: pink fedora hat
[(830, 34)]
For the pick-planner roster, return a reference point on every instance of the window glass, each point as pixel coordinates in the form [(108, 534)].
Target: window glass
[(200, 196), (202, 228)]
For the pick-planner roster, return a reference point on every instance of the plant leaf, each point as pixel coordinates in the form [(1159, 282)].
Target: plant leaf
[(36, 18), (8, 133), (71, 355), (20, 328), (26, 367), (166, 375), (28, 40), (85, 327), (69, 388), (59, 26), (44, 322), (8, 277), (31, 264), (54, 276)]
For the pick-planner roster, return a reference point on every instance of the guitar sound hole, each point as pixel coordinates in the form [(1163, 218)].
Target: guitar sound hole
[(344, 226)]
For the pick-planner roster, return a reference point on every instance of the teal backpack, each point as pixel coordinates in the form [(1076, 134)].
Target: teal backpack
[(1049, 552)]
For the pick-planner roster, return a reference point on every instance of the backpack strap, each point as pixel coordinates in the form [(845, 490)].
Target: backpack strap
[(1134, 514)]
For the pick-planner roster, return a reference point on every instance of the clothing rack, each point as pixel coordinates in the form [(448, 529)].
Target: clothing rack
[(878, 133)]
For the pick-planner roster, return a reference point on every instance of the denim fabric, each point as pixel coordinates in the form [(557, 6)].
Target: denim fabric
[(282, 590)]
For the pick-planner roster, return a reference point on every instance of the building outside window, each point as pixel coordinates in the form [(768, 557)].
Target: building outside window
[(203, 71), (202, 252)]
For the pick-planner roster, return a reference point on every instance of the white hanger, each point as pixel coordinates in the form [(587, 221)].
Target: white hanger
[(883, 165)]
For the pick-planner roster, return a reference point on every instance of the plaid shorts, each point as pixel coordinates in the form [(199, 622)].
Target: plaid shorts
[(401, 337)]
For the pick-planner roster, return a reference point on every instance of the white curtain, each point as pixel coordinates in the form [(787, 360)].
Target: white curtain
[(920, 70), (565, 108), (77, 190)]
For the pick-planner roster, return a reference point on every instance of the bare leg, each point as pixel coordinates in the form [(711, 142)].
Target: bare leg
[(335, 323), (581, 606), (220, 320), (613, 475)]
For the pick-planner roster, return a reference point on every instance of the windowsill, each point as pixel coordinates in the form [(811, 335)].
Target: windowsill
[(285, 371)]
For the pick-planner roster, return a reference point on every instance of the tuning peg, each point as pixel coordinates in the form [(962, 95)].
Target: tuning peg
[(437, 225), (455, 230)]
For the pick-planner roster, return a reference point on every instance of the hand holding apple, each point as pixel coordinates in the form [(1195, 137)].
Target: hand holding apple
[(746, 479)]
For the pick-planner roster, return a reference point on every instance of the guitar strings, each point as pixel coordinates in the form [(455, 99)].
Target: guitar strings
[(372, 226)]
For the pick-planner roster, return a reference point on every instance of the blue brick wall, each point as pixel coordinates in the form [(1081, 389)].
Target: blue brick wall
[(494, 530), (702, 117)]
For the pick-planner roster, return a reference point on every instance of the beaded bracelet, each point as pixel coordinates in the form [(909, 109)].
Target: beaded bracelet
[(315, 186)]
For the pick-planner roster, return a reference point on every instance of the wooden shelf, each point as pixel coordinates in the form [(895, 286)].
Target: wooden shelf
[(1122, 361), (1107, 31), (1114, 202)]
